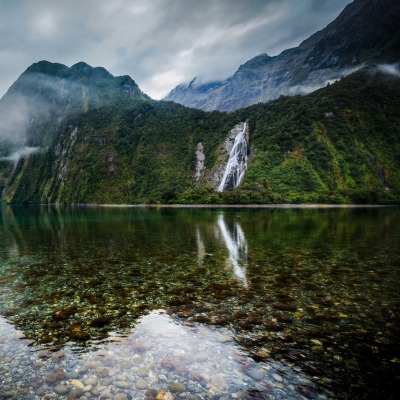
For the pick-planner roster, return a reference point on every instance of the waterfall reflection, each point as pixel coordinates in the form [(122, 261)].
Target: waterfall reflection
[(236, 245), (201, 250), (233, 239)]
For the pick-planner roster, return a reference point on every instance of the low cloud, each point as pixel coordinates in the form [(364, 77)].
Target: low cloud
[(390, 69), (22, 117), (313, 86), (22, 152)]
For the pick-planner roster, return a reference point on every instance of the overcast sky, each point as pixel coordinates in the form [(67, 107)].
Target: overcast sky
[(159, 43)]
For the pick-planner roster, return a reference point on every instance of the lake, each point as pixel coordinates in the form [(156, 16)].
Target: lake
[(199, 303)]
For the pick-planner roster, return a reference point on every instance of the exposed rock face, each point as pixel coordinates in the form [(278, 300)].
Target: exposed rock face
[(366, 32), (200, 157), (217, 174), (238, 158)]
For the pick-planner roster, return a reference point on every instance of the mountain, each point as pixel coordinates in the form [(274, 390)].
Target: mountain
[(366, 32), (113, 144), (48, 92), (36, 107)]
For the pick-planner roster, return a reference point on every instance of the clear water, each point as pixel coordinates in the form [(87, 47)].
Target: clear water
[(199, 303)]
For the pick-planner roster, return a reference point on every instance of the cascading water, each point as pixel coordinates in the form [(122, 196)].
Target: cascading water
[(237, 163)]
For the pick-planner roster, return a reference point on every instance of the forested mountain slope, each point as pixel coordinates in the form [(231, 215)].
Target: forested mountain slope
[(337, 145)]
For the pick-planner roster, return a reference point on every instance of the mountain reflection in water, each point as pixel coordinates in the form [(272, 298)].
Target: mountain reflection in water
[(314, 291)]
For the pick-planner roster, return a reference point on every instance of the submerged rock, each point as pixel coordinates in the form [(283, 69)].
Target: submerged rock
[(141, 384), (165, 395), (61, 389)]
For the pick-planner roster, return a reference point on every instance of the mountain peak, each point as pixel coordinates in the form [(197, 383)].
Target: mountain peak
[(83, 69), (365, 33), (81, 73), (81, 65), (48, 68)]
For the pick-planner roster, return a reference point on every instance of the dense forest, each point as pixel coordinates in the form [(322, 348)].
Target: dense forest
[(339, 144)]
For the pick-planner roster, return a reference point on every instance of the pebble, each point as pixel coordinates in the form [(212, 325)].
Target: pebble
[(61, 389), (177, 387), (141, 384), (137, 359), (101, 372), (120, 396), (165, 395), (106, 394), (95, 392), (91, 365), (91, 380), (55, 376), (125, 364), (214, 390), (77, 383), (143, 372), (277, 378), (76, 392), (123, 384), (195, 375), (106, 381), (73, 374), (255, 374), (153, 376)]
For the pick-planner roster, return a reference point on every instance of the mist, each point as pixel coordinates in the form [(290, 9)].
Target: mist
[(31, 112), (22, 152), (308, 88), (390, 69)]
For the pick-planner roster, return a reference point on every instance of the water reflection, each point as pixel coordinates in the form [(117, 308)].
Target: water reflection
[(323, 296), (201, 250), (236, 245), (232, 238)]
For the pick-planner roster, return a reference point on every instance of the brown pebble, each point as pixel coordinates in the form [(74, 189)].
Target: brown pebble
[(165, 395), (177, 387), (56, 376)]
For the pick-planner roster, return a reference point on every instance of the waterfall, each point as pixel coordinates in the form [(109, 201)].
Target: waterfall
[(237, 162)]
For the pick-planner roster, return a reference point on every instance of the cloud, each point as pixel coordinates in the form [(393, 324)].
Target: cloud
[(390, 69), (316, 84), (22, 116), (159, 43), (22, 152)]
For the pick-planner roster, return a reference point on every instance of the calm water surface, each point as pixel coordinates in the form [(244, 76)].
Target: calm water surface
[(137, 303)]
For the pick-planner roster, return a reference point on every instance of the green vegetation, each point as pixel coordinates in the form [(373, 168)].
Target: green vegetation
[(337, 145)]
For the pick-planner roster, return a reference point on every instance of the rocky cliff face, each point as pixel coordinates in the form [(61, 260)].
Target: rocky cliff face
[(366, 32)]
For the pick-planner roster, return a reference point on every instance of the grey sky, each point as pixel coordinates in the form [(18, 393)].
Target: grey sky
[(159, 43)]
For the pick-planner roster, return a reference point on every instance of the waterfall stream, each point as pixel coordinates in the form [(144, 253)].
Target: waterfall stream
[(237, 162)]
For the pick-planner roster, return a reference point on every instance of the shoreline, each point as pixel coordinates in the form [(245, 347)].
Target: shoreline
[(243, 205), (312, 206), (143, 205)]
